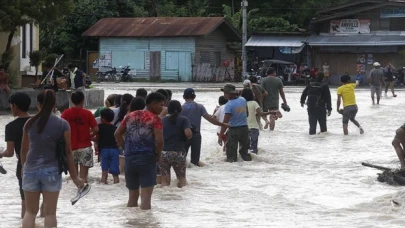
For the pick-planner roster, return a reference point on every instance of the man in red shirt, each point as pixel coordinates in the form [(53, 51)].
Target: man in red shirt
[(83, 127)]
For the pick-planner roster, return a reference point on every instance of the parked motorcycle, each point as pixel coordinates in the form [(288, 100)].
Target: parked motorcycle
[(125, 76), (107, 76)]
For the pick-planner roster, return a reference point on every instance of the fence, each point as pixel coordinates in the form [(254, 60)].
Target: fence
[(206, 72)]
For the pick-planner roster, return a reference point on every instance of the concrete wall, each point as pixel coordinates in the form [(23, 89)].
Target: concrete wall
[(94, 97)]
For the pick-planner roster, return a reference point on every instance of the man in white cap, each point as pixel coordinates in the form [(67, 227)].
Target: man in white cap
[(247, 84), (376, 80)]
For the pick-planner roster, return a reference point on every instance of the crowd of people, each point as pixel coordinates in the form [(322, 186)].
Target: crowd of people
[(145, 135)]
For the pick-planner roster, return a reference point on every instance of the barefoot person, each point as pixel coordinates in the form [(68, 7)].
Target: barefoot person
[(41, 173), (84, 128), (399, 145), (143, 147), (376, 80), (108, 147), (194, 111), (4, 81), (19, 105), (236, 114), (349, 112), (176, 131), (274, 88)]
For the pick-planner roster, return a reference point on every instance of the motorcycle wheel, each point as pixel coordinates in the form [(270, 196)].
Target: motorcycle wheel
[(98, 77), (117, 78)]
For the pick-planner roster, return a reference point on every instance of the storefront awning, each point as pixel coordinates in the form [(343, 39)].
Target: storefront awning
[(356, 40), (276, 41)]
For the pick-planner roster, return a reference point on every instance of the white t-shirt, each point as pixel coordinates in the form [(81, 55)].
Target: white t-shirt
[(116, 112), (325, 69), (220, 115), (252, 121)]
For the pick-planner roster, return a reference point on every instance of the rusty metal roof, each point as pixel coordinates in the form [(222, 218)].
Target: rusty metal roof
[(160, 27)]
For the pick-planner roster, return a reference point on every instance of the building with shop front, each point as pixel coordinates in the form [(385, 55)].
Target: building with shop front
[(354, 35), (176, 48), (286, 46), (25, 40)]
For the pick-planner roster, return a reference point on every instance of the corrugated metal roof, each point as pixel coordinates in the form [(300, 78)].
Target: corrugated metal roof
[(357, 40), (157, 27), (276, 41)]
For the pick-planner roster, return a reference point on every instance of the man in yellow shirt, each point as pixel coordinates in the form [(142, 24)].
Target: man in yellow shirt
[(349, 112)]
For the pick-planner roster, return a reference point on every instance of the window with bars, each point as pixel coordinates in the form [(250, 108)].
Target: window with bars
[(204, 57), (218, 59)]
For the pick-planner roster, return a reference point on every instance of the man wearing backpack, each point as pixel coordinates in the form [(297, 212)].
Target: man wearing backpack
[(319, 103)]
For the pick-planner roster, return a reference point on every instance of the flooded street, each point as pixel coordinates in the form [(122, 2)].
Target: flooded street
[(295, 180)]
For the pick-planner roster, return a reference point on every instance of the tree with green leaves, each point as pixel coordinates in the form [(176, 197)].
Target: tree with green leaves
[(67, 38), (236, 19), (36, 58), (17, 13)]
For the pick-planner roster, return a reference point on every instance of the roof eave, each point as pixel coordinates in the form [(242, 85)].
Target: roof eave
[(229, 25), (318, 20), (355, 44), (344, 5)]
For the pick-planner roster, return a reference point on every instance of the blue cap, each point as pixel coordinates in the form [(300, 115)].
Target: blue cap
[(189, 91)]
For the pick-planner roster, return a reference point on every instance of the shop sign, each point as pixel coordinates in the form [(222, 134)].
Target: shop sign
[(392, 12), (350, 26), (291, 50)]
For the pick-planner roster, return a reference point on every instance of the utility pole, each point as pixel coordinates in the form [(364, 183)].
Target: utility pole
[(233, 8), (244, 5)]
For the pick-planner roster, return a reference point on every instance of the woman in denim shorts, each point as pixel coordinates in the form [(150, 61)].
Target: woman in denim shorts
[(176, 131), (41, 172)]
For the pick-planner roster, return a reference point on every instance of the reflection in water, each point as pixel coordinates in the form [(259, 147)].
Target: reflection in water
[(295, 180)]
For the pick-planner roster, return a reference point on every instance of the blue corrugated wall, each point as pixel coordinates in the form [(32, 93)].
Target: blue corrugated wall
[(176, 55)]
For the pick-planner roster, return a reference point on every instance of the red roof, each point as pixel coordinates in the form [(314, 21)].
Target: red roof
[(159, 27)]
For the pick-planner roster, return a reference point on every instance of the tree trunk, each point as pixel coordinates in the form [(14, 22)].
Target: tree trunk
[(36, 74), (6, 55)]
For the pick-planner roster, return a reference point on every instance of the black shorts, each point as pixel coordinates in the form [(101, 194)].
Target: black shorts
[(140, 173)]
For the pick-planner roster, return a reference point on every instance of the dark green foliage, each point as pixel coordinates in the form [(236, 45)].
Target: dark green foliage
[(16, 13), (36, 58), (264, 16)]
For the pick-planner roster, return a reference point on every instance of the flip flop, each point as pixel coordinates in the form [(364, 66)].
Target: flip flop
[(2, 170), (80, 193)]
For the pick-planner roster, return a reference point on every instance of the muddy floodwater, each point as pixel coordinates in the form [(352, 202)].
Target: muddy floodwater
[(296, 180)]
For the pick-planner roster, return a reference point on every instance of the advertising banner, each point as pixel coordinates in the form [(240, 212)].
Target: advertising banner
[(105, 59), (361, 63), (393, 12), (350, 26)]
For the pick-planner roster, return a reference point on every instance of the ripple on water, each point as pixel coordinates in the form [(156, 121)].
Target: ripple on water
[(296, 180)]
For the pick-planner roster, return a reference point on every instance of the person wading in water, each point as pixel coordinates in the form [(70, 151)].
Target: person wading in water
[(319, 103)]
